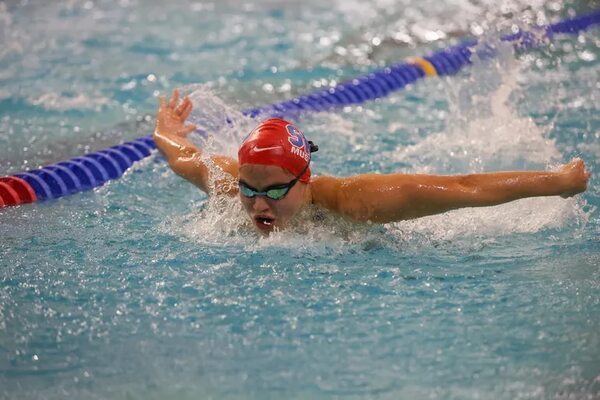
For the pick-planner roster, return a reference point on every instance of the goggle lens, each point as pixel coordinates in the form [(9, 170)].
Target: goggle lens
[(246, 191), (277, 194), (273, 194)]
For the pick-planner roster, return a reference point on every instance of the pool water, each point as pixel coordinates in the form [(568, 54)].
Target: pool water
[(140, 290)]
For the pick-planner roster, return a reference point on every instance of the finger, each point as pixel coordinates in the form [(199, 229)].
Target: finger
[(187, 129), (189, 104), (185, 102), (186, 112), (162, 102), (174, 98), (180, 108)]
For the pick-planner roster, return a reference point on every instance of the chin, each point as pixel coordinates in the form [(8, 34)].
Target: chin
[(264, 228)]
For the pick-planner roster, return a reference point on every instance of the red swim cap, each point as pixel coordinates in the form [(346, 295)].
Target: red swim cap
[(277, 142)]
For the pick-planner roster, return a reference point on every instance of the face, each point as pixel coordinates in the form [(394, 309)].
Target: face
[(267, 214)]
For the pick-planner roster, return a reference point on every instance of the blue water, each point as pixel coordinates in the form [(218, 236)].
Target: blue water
[(137, 291)]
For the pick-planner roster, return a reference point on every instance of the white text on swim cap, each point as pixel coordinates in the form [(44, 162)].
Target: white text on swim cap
[(300, 152)]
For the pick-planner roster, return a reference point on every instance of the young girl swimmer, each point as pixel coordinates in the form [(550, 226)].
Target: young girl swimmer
[(273, 180)]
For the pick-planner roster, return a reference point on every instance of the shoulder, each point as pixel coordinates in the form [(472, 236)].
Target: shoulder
[(324, 182), (343, 186), (325, 190), (359, 197)]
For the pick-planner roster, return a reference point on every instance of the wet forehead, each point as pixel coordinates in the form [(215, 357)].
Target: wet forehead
[(261, 176)]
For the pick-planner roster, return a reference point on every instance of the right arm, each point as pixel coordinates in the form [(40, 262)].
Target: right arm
[(184, 158)]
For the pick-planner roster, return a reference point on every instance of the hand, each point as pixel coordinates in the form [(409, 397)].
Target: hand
[(170, 118), (575, 177)]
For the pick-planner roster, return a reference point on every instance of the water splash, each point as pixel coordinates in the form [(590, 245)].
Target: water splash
[(522, 216), (221, 126), (222, 222), (485, 133)]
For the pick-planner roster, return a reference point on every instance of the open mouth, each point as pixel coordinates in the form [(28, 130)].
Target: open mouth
[(264, 223)]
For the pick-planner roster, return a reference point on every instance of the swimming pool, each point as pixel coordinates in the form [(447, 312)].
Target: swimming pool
[(134, 290)]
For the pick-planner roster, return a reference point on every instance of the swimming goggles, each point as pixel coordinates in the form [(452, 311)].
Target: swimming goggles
[(275, 192)]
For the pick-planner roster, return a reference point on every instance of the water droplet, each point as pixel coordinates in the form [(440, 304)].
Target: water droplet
[(267, 87)]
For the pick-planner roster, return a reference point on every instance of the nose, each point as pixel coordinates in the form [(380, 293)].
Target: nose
[(260, 204)]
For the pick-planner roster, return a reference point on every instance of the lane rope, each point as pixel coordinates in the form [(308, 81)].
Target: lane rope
[(95, 169)]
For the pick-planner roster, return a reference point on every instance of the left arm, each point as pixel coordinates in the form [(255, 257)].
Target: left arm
[(395, 197)]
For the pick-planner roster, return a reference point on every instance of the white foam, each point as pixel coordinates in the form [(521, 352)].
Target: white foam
[(218, 221), (56, 102), (522, 216), (222, 221)]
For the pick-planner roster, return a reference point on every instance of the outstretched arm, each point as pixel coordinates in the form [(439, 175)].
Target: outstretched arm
[(395, 197), (184, 158)]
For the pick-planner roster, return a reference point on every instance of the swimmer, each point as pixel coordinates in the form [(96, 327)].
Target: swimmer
[(273, 180)]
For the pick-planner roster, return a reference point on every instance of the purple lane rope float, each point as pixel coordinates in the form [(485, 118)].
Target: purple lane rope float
[(94, 169)]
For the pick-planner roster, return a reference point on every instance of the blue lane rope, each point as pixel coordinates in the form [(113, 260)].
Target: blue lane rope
[(94, 169)]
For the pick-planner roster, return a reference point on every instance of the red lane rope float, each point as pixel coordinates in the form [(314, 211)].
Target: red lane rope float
[(94, 169), (15, 191)]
